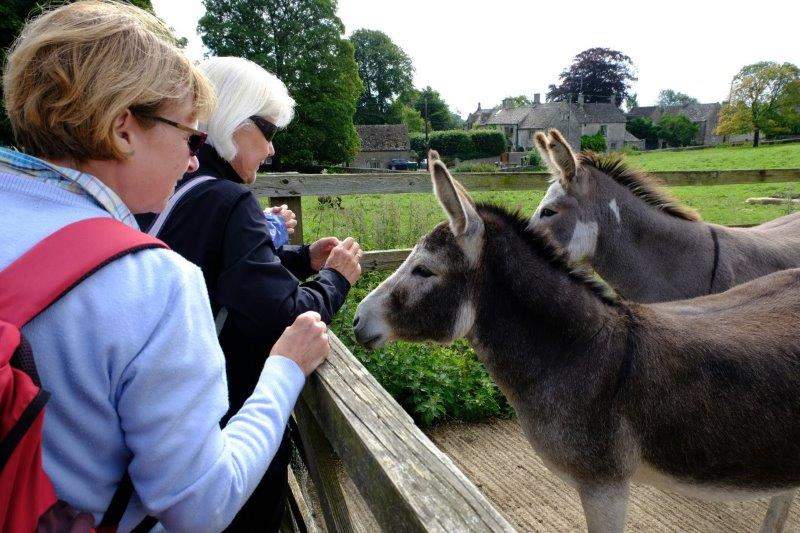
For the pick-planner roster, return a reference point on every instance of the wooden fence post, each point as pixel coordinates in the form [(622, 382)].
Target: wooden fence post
[(295, 203)]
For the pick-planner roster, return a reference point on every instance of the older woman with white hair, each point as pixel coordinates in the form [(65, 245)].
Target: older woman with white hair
[(216, 222)]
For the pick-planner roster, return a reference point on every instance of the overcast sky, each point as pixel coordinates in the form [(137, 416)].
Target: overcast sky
[(474, 51)]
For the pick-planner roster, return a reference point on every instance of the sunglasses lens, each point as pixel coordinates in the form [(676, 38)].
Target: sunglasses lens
[(195, 142)]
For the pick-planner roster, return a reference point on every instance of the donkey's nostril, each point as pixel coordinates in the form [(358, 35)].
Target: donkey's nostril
[(355, 322)]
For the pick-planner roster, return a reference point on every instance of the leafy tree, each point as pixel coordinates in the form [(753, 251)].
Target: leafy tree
[(601, 74), (518, 101), (677, 130), (787, 120), (643, 128), (13, 14), (301, 42), (386, 72), (631, 101), (410, 117), (759, 96), (668, 97), (429, 103)]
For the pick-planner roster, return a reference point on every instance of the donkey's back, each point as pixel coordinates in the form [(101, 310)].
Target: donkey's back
[(715, 392)]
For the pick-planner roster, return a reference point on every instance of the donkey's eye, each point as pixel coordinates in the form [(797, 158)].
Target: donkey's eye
[(547, 212), (421, 271)]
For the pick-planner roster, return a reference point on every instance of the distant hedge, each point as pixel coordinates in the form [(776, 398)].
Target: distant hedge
[(463, 144)]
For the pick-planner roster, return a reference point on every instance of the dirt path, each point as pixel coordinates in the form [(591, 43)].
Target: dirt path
[(497, 458)]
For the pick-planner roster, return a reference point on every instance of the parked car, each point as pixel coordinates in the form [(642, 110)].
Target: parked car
[(423, 163), (402, 164)]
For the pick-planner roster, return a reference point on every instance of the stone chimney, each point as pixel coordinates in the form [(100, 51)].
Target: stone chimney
[(537, 98), (506, 103), (479, 106), (580, 99)]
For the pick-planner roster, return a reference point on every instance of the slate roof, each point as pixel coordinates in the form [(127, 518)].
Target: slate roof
[(479, 117), (383, 137), (549, 115), (513, 115)]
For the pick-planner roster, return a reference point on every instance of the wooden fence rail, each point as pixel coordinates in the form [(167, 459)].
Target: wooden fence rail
[(345, 416), (289, 188)]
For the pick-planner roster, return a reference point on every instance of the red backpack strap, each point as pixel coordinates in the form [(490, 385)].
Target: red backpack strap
[(62, 260)]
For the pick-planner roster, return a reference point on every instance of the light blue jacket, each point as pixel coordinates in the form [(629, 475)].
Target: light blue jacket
[(138, 380)]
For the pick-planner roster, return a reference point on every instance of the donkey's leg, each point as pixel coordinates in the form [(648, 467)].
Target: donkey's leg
[(605, 507), (777, 513)]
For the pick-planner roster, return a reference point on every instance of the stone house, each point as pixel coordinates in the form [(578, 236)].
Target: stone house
[(380, 143), (706, 116), (572, 119)]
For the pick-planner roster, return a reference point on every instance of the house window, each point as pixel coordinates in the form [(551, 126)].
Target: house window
[(613, 146), (603, 129)]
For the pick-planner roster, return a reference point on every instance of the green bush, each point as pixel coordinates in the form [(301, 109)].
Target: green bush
[(596, 142), (461, 144), (488, 143), (418, 144), (532, 158), (453, 143), (431, 382), (475, 167), (677, 130)]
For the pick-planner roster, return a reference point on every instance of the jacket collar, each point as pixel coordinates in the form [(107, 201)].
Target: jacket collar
[(212, 164)]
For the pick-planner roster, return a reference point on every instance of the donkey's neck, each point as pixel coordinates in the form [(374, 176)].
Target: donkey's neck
[(650, 256), (534, 319)]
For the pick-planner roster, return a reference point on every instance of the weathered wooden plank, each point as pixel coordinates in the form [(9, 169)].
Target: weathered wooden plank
[(409, 484), (773, 201), (381, 183), (342, 184), (295, 204), (383, 259), (727, 177), (301, 510), (321, 462)]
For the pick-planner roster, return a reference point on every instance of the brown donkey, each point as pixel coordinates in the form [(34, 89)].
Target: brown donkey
[(641, 240), (700, 396)]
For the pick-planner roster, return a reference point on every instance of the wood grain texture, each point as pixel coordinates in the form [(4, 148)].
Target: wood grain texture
[(322, 465), (408, 483)]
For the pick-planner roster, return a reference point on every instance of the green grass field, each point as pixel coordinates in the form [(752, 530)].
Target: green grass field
[(723, 157)]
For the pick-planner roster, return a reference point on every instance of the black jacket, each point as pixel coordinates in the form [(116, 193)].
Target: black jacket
[(220, 226)]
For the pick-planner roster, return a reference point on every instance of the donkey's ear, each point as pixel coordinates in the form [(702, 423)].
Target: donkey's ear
[(563, 157), (540, 139), (454, 199), (433, 155)]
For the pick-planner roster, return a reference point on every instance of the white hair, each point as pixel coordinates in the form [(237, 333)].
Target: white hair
[(243, 89)]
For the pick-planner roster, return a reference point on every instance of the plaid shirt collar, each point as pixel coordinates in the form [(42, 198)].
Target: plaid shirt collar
[(70, 179)]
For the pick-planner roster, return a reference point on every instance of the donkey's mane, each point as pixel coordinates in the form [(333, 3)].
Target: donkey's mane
[(550, 251), (640, 183)]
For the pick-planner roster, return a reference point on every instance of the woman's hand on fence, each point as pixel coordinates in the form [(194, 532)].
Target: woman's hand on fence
[(345, 258), (288, 216), (305, 342), (319, 251)]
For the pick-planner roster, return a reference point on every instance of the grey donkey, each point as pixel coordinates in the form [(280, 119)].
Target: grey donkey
[(641, 240), (699, 396)]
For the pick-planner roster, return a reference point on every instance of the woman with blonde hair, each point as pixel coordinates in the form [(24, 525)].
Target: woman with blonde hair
[(104, 108)]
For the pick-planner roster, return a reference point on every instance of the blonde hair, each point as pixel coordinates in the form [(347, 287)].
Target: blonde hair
[(74, 69), (243, 89)]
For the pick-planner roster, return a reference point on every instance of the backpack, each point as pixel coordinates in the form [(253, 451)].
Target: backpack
[(28, 286)]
